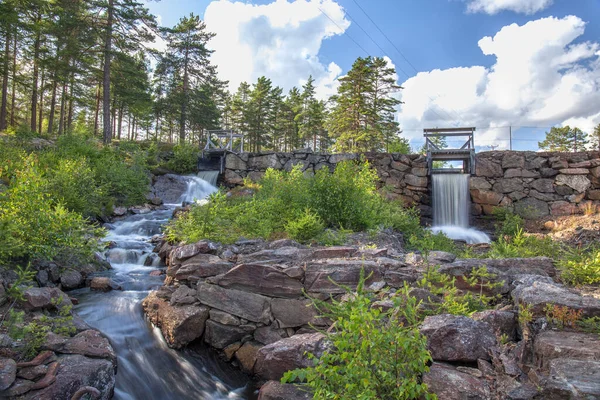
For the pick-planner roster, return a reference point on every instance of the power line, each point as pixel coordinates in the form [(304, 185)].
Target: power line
[(343, 31)]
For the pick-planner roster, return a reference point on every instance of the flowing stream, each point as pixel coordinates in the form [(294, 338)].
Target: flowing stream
[(451, 208), (147, 368)]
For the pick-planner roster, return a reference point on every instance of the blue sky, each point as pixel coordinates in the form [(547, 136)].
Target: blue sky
[(540, 53)]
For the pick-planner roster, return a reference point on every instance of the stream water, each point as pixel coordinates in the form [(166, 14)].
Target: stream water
[(147, 368)]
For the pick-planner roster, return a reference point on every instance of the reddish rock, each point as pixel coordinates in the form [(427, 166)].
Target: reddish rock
[(250, 306), (103, 284), (559, 208), (291, 313), (486, 197), (262, 279), (572, 379), (550, 345), (246, 356), (274, 390), (333, 252), (319, 275), (450, 384), (44, 298)]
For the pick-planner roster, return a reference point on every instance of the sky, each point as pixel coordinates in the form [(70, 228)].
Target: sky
[(506, 67)]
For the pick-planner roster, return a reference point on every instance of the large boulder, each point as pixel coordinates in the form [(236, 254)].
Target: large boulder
[(550, 345), (531, 208), (501, 322), (262, 279), (250, 306), (179, 325), (487, 168), (457, 338), (71, 279), (538, 293), (169, 188), (327, 276), (274, 390), (88, 343), (75, 371), (44, 298), (288, 354), (198, 266), (8, 372), (579, 183), (572, 379), (220, 336), (290, 313), (450, 384)]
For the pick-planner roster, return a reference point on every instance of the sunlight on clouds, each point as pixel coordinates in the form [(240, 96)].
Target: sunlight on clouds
[(539, 78), (280, 40), (519, 6)]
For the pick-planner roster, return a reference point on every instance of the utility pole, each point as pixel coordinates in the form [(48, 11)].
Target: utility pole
[(510, 136)]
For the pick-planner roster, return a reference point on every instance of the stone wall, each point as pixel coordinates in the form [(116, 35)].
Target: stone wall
[(535, 184)]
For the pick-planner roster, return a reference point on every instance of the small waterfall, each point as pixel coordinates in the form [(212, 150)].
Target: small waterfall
[(199, 188), (451, 208), (209, 176)]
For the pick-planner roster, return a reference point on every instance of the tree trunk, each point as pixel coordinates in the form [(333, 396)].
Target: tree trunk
[(114, 114), (34, 91), (61, 121), (134, 130), (120, 123), (3, 105), (107, 134), (41, 105), (52, 107), (14, 81), (97, 111), (71, 101), (183, 116)]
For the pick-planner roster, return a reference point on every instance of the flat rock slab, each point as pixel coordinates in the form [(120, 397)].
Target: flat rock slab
[(327, 276), (274, 390), (75, 371), (250, 306), (288, 354), (450, 384), (8, 372), (179, 325), (457, 338), (572, 379), (263, 279), (89, 343), (220, 336), (539, 293), (552, 345), (291, 313), (44, 298)]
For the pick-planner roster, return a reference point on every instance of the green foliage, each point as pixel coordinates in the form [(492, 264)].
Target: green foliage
[(24, 276), (590, 325), (34, 336), (523, 245), (562, 316), (564, 139), (581, 267), (507, 222), (185, 159), (374, 354), (333, 237), (306, 227), (479, 282)]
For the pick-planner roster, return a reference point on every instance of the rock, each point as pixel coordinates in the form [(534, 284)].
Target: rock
[(457, 338), (183, 295), (233, 178), (75, 371), (246, 356), (288, 354), (273, 390), (578, 183), (291, 313), (513, 160), (262, 279), (450, 384), (41, 277), (487, 168), (156, 201), (440, 257), (399, 166), (418, 181), (543, 185), (230, 350), (220, 336), (250, 306), (564, 190), (559, 208), (530, 208), (263, 162), (44, 298), (103, 284), (594, 194), (501, 322), (119, 211), (88, 343), (319, 275), (33, 373), (507, 185), (575, 171), (19, 387), (419, 171), (199, 266), (8, 372), (71, 279), (486, 197), (539, 293), (548, 172), (232, 161), (520, 173), (523, 392), (223, 317), (333, 252), (179, 325), (550, 345), (477, 182), (572, 379), (169, 187), (183, 253), (269, 334)]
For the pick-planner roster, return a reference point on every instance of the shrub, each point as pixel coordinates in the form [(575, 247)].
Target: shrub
[(581, 267), (185, 159), (374, 354), (523, 245), (507, 222), (306, 227)]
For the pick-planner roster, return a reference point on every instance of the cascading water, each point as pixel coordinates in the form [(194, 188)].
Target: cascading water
[(451, 204), (199, 188), (147, 368), (209, 176)]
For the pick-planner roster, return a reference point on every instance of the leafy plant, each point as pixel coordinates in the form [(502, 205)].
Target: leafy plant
[(507, 222), (581, 267), (562, 316), (589, 325), (525, 316), (374, 354), (306, 227), (185, 159)]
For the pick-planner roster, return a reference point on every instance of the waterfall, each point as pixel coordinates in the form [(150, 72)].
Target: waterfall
[(451, 207), (199, 187)]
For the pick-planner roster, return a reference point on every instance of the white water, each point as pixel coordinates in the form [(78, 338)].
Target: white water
[(451, 208), (147, 368), (199, 188), (209, 176)]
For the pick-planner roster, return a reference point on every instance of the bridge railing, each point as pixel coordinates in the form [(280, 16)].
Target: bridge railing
[(465, 153)]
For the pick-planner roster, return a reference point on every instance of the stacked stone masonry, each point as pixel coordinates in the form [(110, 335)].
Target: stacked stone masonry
[(535, 184)]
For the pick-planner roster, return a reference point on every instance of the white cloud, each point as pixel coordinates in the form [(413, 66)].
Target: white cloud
[(540, 78), (519, 6), (280, 40)]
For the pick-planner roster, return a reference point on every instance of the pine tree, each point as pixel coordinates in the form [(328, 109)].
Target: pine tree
[(564, 139), (596, 137)]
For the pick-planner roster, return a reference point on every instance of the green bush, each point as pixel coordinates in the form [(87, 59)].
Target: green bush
[(374, 354), (507, 222), (523, 245), (581, 267), (306, 227), (185, 159)]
